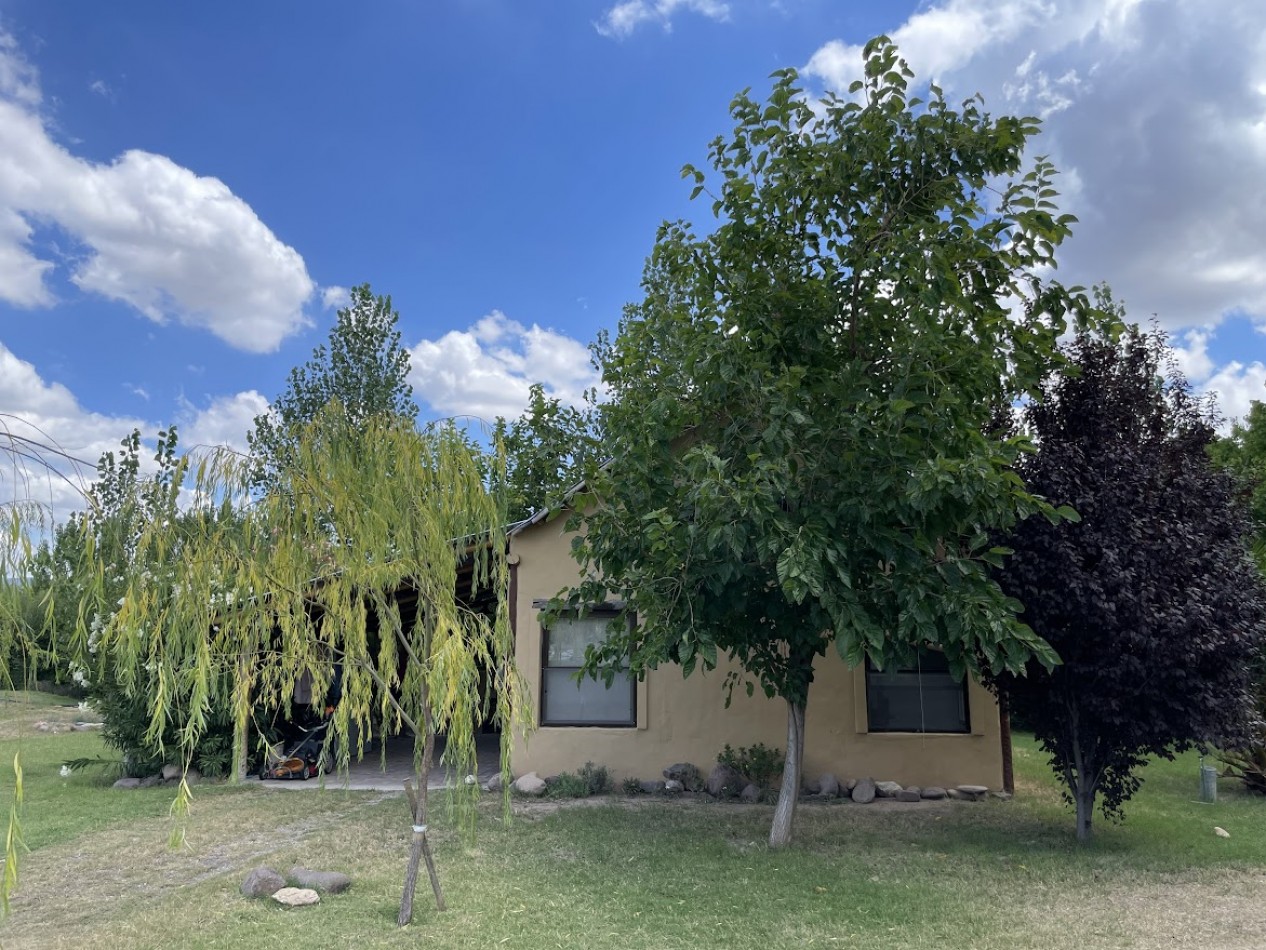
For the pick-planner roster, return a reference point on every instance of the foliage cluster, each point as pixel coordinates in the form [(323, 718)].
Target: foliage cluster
[(758, 763), (1150, 599), (802, 458), (588, 781)]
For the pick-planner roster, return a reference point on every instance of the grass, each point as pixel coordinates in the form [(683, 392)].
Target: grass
[(640, 872)]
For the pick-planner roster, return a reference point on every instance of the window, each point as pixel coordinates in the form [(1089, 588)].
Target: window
[(587, 702), (923, 697)]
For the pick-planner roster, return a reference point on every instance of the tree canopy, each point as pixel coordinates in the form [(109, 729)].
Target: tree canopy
[(801, 403), (363, 368), (1151, 599)]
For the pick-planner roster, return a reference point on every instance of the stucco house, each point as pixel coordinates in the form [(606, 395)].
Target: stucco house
[(916, 727)]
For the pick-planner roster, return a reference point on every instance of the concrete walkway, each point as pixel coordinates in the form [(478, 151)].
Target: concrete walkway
[(369, 775)]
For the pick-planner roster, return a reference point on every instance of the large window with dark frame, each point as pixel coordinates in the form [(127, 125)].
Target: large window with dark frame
[(922, 697), (566, 701)]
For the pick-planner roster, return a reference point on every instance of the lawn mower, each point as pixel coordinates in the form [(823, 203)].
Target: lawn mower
[(301, 761)]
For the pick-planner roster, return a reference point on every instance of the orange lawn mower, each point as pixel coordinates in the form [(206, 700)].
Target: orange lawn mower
[(301, 761)]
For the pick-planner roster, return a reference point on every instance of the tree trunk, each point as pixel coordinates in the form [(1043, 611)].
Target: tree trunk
[(789, 794), (421, 847), (1085, 799), (241, 726)]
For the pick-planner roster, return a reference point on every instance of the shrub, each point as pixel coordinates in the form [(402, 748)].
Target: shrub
[(590, 780), (631, 786), (761, 765)]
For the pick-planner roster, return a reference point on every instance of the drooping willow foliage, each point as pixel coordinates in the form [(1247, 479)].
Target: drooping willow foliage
[(317, 582)]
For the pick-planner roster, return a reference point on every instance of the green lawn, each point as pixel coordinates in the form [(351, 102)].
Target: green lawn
[(640, 873)]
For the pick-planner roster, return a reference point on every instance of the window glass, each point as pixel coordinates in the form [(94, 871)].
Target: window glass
[(920, 698), (587, 702)]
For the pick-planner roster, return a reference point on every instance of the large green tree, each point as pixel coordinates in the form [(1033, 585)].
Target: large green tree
[(1151, 599), (1242, 454), (363, 368), (799, 427), (547, 447)]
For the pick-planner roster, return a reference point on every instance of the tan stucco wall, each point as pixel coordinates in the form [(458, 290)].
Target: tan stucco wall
[(686, 720)]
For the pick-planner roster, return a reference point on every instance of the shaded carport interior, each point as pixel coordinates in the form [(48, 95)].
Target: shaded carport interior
[(388, 760)]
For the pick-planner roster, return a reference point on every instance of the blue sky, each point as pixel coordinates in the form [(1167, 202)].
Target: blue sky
[(186, 189)]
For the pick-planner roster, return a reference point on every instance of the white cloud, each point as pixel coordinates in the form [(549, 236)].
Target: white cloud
[(100, 87), (487, 369), (168, 242), (1156, 115), (224, 421), (73, 438), (1236, 386), (624, 18), (335, 297), (1192, 355)]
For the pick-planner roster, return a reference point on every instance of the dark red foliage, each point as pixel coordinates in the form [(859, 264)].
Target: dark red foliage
[(1151, 600)]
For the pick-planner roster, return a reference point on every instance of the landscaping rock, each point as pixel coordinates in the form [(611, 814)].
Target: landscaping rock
[(171, 772), (150, 781), (530, 784), (192, 777), (750, 794), (809, 788), (263, 881), (87, 726), (689, 776), (911, 794), (828, 786), (725, 782), (128, 783), (958, 796), (934, 793), (849, 785), (1221, 832), (864, 791), (297, 896), (325, 882), (887, 789), (56, 728), (673, 787), (493, 784), (974, 792), (653, 786), (1002, 796)]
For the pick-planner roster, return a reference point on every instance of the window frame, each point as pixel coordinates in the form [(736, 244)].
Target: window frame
[(609, 612), (963, 685)]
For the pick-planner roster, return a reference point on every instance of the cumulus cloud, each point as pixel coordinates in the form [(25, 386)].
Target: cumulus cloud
[(225, 420), (1237, 385), (624, 18), (335, 297), (1154, 112), (158, 237), (487, 369)]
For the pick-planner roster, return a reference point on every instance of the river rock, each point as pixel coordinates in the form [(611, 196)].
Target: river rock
[(887, 789), (530, 784), (297, 896), (262, 882), (911, 794), (493, 784), (828, 786), (750, 793), (934, 793), (864, 791), (325, 882), (725, 782), (171, 772), (654, 786), (673, 787), (689, 776), (128, 783)]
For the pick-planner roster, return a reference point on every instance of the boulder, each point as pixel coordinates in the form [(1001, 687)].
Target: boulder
[(809, 788), (324, 882), (128, 783), (171, 772), (849, 785), (973, 792), (828, 786), (934, 793), (958, 796), (493, 784), (151, 781), (263, 881), (673, 787), (911, 794), (689, 776), (725, 782), (887, 789), (864, 791), (192, 776), (296, 896), (750, 794), (652, 786), (530, 784)]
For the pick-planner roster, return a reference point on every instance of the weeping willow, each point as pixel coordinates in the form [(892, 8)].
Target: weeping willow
[(315, 582)]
